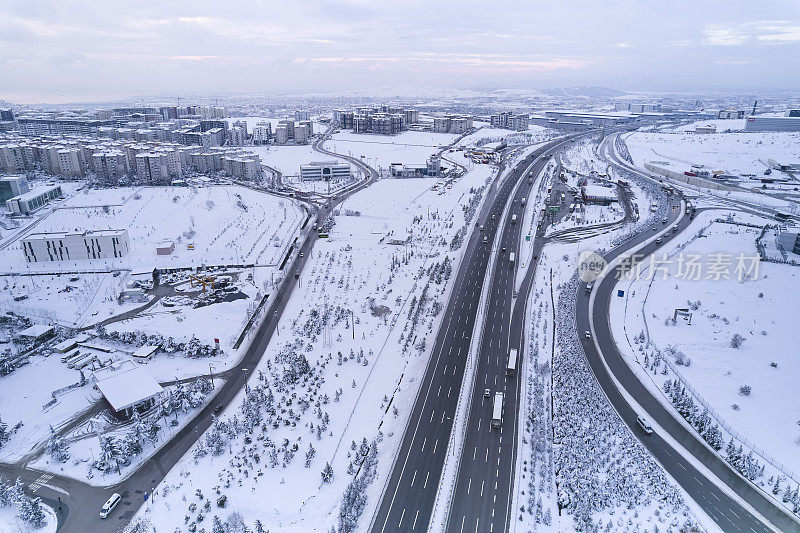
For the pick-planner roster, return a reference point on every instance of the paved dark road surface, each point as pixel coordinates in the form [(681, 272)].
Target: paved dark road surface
[(410, 494)]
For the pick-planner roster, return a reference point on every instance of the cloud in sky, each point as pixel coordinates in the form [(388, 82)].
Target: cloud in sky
[(84, 47)]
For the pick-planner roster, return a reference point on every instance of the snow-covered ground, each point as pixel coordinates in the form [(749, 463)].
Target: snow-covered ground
[(380, 151), (25, 392), (386, 265), (10, 522), (760, 310), (226, 224), (735, 153)]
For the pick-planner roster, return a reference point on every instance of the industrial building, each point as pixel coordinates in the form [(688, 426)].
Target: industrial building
[(772, 124), (33, 199), (65, 246), (325, 170), (11, 186)]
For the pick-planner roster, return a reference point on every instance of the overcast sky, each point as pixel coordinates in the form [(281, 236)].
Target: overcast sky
[(95, 49)]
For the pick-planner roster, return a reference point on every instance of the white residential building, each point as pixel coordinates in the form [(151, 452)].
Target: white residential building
[(262, 133)]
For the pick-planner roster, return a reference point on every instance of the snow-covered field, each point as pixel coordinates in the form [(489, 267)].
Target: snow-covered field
[(380, 151), (736, 153), (330, 390), (752, 387), (226, 224)]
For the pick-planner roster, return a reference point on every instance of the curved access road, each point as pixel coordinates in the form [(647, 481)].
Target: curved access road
[(605, 359), (80, 502)]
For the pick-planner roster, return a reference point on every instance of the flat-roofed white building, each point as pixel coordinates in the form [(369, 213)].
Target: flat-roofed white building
[(325, 170), (33, 199), (64, 246)]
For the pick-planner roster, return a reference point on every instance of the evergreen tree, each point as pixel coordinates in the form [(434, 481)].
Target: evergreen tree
[(327, 473)]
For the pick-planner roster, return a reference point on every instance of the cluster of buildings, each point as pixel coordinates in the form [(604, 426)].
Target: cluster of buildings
[(383, 120), (510, 121), (452, 124), (431, 169), (153, 162)]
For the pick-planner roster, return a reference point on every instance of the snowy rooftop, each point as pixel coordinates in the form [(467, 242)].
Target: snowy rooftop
[(36, 330), (597, 191), (126, 388)]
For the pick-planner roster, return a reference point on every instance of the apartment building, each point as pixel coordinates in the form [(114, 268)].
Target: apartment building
[(262, 133)]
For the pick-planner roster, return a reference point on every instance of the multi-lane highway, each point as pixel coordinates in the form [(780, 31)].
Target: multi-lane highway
[(410, 493), (80, 502)]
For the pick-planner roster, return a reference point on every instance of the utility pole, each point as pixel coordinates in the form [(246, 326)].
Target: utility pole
[(353, 322)]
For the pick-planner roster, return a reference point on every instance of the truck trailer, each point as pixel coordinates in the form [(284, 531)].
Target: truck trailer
[(497, 410)]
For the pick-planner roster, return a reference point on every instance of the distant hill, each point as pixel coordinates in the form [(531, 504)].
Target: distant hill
[(589, 92)]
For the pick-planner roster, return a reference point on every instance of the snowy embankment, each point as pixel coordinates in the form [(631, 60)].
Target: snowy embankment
[(340, 377), (579, 465), (728, 349), (576, 474)]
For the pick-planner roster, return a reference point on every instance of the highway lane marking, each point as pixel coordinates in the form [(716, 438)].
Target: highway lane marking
[(423, 443), (444, 371), (454, 370), (736, 515), (486, 459), (462, 523), (414, 525), (425, 485), (401, 518), (717, 497), (681, 465), (479, 424), (413, 478), (437, 393), (442, 420), (474, 452), (431, 420), (477, 521), (469, 485), (482, 482)]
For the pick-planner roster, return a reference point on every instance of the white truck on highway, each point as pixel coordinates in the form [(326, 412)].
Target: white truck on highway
[(513, 219), (497, 410), (524, 199), (511, 258), (511, 368)]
